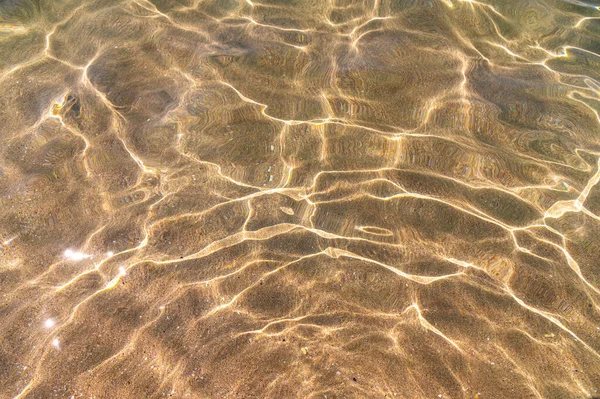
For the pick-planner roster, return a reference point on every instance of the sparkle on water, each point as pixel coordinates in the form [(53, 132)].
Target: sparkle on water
[(49, 323), (76, 256)]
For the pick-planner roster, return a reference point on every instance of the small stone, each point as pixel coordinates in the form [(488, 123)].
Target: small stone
[(305, 350), (287, 210)]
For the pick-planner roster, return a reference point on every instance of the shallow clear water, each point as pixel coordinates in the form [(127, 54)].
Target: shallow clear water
[(299, 198)]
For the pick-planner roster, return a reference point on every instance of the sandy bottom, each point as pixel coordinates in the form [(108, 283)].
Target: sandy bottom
[(299, 199)]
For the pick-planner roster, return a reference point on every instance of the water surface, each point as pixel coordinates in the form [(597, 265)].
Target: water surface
[(299, 199)]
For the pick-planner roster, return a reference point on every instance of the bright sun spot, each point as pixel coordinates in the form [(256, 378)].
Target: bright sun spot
[(49, 323), (72, 255), (56, 343)]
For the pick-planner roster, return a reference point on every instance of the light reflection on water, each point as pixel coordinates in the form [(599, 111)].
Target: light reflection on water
[(299, 198)]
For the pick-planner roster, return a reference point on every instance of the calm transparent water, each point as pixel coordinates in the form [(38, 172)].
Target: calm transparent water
[(299, 199)]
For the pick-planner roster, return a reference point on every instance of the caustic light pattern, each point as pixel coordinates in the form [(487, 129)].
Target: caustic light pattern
[(300, 199)]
